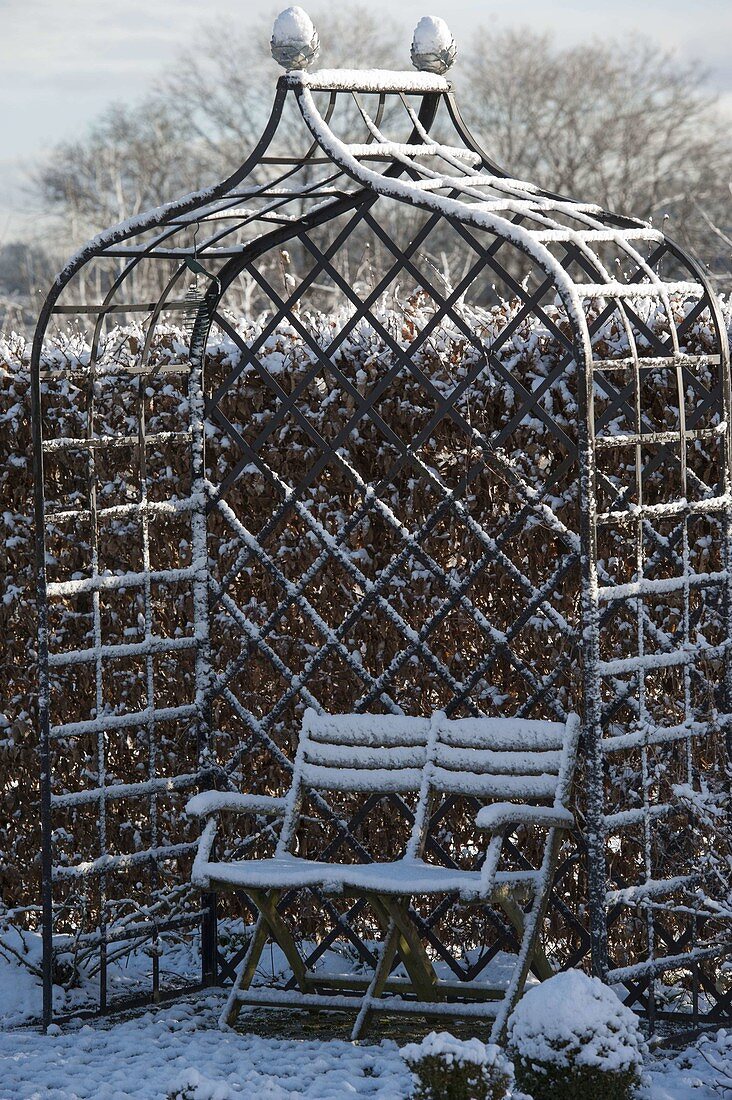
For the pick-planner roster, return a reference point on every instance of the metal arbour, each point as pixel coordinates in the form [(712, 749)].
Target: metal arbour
[(322, 508)]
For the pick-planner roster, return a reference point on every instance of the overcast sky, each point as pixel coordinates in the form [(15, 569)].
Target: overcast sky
[(63, 61)]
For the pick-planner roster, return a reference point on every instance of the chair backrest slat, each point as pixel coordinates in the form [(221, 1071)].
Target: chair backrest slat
[(365, 729), (503, 734), (364, 756), (363, 752), (529, 788), (361, 779), (510, 759), (480, 761)]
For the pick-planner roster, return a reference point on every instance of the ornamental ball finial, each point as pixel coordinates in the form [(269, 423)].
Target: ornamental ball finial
[(295, 41), (433, 46)]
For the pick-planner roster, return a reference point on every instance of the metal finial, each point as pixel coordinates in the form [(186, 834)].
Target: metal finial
[(295, 41), (433, 46)]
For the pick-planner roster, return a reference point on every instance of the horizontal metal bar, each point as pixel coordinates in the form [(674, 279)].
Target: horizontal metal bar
[(107, 863), (662, 734), (635, 512), (636, 290), (605, 442), (105, 582), (647, 587), (128, 1004), (122, 252), (668, 962), (239, 213), (655, 362), (68, 443), (120, 307), (120, 650), (296, 162), (625, 818), (108, 370), (138, 930), (134, 507), (124, 721), (651, 661), (160, 785), (386, 150), (656, 888), (571, 236), (369, 80)]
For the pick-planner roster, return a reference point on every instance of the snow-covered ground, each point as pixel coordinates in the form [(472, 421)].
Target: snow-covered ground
[(177, 1051)]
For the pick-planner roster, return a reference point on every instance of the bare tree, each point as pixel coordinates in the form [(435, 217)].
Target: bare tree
[(627, 126), (131, 159)]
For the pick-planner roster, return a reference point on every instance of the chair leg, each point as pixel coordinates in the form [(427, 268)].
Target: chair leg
[(532, 927), (515, 914), (266, 903), (411, 949), (378, 981), (246, 972)]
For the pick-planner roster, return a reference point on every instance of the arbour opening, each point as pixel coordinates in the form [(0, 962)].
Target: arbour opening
[(399, 484)]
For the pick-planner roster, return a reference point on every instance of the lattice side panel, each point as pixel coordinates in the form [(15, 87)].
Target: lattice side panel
[(663, 518), (125, 628)]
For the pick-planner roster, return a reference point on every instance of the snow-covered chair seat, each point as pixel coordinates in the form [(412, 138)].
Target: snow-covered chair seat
[(401, 876), (520, 770)]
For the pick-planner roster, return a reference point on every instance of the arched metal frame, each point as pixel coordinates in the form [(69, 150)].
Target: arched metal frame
[(569, 248)]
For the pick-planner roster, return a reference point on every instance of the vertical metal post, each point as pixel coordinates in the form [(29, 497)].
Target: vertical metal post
[(149, 664), (592, 706), (43, 680), (197, 413), (209, 941)]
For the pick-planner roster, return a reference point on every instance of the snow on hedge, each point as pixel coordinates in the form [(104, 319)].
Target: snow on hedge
[(486, 399)]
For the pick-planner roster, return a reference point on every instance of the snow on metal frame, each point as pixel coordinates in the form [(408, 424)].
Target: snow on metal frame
[(275, 198)]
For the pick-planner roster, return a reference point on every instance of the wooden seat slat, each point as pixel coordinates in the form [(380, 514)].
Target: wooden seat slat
[(401, 876)]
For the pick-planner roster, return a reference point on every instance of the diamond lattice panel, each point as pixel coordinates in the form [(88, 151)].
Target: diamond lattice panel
[(384, 546)]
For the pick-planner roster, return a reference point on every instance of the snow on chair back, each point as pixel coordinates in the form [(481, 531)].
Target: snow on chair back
[(363, 752), (485, 758), (355, 753), (499, 758)]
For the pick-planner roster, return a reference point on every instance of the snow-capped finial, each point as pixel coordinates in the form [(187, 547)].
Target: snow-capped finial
[(433, 47), (295, 41)]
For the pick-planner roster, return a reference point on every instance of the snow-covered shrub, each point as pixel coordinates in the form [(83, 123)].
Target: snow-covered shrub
[(571, 1038), (446, 1068)]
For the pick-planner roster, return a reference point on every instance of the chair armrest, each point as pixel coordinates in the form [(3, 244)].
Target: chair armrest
[(502, 814), (213, 802)]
